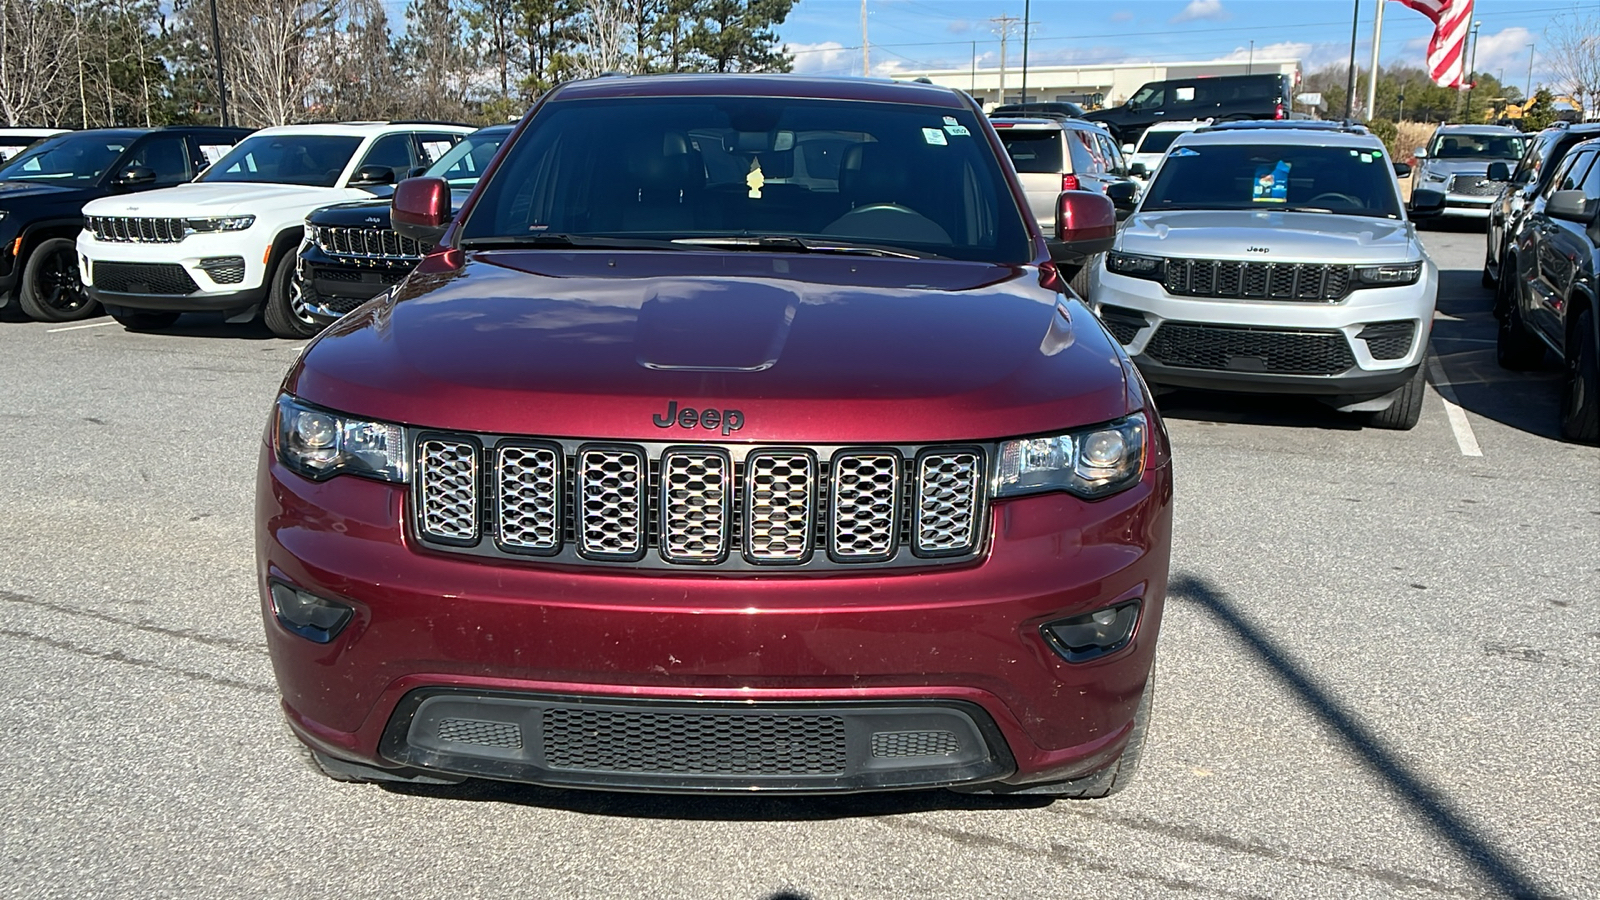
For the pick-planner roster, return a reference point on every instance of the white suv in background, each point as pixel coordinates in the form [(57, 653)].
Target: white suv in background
[(226, 242), (1275, 258), (1145, 157)]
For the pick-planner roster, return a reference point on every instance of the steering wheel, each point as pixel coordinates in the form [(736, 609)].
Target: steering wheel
[(1349, 200)]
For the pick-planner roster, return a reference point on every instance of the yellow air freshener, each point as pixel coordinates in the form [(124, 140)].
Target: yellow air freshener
[(755, 179)]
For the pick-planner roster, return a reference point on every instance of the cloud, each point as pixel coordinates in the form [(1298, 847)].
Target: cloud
[(824, 58), (1122, 16), (1202, 9), (1505, 49), (961, 26)]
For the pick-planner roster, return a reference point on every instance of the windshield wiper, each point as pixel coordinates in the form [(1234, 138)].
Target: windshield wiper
[(794, 244), (554, 239), (1315, 209)]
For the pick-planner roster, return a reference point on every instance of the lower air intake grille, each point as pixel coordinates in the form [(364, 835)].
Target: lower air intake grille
[(484, 734), (143, 278), (694, 744), (224, 269), (891, 744), (1389, 340), (1240, 349)]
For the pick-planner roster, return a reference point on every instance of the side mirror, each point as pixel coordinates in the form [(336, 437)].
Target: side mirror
[(1086, 223), (1420, 153), (1139, 170), (1122, 194), (1568, 205), (372, 175), (421, 209), (1499, 171), (1426, 204), (136, 175), (1401, 170), (1127, 148)]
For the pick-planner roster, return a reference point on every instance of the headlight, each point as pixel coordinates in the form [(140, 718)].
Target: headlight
[(1399, 273), (226, 223), (1091, 463), (1135, 266), (319, 444)]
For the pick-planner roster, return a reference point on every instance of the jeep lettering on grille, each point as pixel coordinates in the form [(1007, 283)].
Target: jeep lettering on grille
[(729, 420)]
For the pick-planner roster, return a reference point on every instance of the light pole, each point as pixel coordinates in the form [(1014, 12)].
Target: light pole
[(1527, 90), (1350, 87), (1027, 10), (216, 47), (1472, 68), (1250, 63)]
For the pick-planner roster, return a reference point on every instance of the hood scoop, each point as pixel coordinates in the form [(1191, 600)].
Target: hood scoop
[(729, 326)]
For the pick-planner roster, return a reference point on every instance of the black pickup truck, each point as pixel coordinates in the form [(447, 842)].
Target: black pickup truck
[(43, 190)]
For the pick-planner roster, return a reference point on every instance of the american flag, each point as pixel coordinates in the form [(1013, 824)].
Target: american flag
[(1447, 52)]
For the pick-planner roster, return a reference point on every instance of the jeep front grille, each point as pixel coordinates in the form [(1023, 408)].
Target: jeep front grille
[(383, 244), (1229, 279), (137, 229), (1475, 186), (722, 506)]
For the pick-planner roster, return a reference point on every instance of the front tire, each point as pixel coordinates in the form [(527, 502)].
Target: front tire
[(51, 290), (1580, 393), (284, 312), (1406, 410)]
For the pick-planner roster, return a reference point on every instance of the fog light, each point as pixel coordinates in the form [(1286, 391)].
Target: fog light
[(310, 616), (1082, 638)]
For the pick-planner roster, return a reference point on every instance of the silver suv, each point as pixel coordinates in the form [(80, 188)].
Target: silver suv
[(1054, 154), (1275, 258), (1456, 163)]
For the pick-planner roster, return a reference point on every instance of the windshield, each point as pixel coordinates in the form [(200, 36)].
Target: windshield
[(1477, 146), (1033, 151), (1357, 182), (911, 177), (463, 164), (315, 160), (76, 158), (1157, 141)]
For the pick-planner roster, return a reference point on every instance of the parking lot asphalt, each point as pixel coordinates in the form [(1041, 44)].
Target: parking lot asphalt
[(1377, 675)]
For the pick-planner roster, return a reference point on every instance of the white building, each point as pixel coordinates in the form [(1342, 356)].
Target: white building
[(1098, 85)]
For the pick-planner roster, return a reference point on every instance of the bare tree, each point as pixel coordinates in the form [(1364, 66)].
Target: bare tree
[(33, 68), (269, 47), (1571, 48), (608, 29)]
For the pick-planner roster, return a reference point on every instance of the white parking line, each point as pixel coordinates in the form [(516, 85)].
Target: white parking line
[(76, 327), (1465, 439)]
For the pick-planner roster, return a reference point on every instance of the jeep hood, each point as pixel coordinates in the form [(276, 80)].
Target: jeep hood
[(808, 348), (222, 199), (18, 190), (1268, 236)]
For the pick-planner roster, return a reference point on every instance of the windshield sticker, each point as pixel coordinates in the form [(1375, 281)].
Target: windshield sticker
[(950, 120), (934, 136), (214, 152), (1185, 151), (1271, 184), (755, 179)]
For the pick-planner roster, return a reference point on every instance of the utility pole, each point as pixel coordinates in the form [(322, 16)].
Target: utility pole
[(1005, 22), (866, 67), (1350, 87), (216, 48), (1472, 71), (1372, 73), (1027, 8), (974, 68), (1250, 63), (1527, 91)]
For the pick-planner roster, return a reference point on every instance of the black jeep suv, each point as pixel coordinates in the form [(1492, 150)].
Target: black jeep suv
[(351, 254), (43, 190), (1221, 98), (1544, 154), (1547, 294)]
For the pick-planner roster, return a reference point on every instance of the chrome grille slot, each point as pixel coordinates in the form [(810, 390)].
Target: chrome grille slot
[(379, 244), (864, 514), (779, 500), (696, 499), (948, 504), (611, 502), (528, 497), (447, 484), (137, 229)]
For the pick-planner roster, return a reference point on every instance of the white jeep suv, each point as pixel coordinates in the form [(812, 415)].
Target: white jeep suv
[(226, 242), (1275, 258)]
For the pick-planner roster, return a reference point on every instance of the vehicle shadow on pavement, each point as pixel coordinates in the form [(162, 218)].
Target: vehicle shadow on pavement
[(1283, 410), (1430, 804), (1464, 340), (720, 808)]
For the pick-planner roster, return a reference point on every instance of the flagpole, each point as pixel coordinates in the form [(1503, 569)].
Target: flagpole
[(1372, 74)]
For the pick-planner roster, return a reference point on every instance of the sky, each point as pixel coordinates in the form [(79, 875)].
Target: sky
[(825, 35)]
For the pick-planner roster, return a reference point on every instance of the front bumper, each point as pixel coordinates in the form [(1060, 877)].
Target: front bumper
[(173, 262), (1137, 308), (340, 285), (894, 652)]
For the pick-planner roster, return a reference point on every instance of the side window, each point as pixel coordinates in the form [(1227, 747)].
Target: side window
[(1082, 161), (1569, 174), (165, 154), (1182, 96), (1591, 185), (1113, 156), (392, 151), (432, 144)]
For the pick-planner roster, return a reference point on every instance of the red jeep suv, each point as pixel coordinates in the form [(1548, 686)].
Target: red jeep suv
[(740, 435)]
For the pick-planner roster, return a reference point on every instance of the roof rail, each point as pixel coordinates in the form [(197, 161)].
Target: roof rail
[(1345, 126)]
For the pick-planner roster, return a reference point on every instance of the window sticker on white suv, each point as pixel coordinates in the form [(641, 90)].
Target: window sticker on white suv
[(435, 149), (214, 152)]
